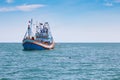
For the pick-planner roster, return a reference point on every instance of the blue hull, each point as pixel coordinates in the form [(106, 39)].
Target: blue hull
[(32, 46)]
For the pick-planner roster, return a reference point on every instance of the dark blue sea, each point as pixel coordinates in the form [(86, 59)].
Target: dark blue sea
[(67, 61)]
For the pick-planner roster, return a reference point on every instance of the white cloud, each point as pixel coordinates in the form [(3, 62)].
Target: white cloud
[(111, 3), (108, 4), (9, 1), (29, 7), (21, 8)]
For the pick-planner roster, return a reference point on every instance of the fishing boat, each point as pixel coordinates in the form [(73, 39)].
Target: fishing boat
[(40, 39)]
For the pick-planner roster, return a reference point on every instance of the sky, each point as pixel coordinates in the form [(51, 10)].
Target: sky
[(69, 20)]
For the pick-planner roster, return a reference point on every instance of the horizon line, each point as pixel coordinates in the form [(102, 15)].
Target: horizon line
[(68, 42)]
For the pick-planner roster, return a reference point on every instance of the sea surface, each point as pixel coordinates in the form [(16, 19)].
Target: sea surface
[(67, 61)]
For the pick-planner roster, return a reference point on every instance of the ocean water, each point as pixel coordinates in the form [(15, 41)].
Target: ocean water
[(68, 61)]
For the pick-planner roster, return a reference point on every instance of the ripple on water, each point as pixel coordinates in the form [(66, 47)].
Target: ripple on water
[(68, 61)]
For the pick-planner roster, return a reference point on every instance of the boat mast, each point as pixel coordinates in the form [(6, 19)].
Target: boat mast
[(31, 23), (30, 29)]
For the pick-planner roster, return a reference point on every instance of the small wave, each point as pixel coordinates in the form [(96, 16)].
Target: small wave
[(5, 79)]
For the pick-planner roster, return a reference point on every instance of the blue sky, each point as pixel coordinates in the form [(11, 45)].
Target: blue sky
[(70, 20)]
